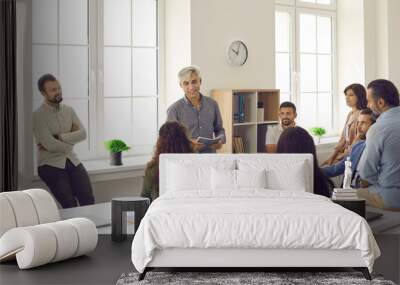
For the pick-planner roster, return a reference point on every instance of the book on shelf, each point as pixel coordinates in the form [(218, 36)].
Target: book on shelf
[(239, 117), (238, 146)]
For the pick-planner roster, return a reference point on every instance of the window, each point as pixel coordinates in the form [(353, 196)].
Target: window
[(305, 59), (105, 54)]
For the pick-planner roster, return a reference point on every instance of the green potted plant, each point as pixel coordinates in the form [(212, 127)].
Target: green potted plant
[(318, 132), (116, 147)]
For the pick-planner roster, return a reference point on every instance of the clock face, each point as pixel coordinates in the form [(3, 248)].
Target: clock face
[(237, 53)]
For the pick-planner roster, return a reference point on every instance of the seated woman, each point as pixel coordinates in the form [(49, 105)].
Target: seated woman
[(298, 140), (172, 138), (356, 99)]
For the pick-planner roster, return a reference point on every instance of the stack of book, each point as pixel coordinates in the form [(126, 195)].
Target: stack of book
[(344, 194), (238, 146)]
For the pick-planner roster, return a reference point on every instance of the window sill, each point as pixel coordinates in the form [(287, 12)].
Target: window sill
[(101, 170), (326, 144)]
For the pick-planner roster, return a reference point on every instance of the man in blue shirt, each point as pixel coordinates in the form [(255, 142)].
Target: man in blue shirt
[(380, 162), (364, 121), (198, 113)]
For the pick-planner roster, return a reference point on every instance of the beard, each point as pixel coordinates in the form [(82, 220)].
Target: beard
[(375, 115), (286, 122), (362, 137), (57, 99)]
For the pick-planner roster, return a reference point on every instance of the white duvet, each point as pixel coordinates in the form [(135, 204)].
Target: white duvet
[(252, 218)]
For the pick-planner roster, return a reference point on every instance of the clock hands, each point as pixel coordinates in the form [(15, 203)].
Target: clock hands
[(237, 50)]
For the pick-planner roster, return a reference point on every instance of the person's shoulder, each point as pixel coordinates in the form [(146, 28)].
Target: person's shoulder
[(274, 128), (359, 143), (176, 104), (150, 170), (39, 112), (66, 107), (209, 100)]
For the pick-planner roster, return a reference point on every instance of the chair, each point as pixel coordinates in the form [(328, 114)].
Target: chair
[(31, 231)]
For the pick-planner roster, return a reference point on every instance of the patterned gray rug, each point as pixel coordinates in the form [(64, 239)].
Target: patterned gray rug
[(229, 278)]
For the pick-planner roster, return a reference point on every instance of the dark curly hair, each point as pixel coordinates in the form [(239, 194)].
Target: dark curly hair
[(298, 140), (172, 138)]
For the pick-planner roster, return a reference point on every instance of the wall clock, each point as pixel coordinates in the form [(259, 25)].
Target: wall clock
[(237, 53)]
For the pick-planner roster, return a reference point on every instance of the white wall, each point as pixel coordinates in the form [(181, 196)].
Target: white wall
[(213, 25), (368, 44), (394, 41), (350, 49), (177, 32), (382, 41)]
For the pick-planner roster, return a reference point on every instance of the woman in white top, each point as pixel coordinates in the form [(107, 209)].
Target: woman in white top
[(356, 99)]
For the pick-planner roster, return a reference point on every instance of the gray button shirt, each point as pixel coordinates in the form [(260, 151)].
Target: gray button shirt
[(62, 121), (380, 162), (205, 122)]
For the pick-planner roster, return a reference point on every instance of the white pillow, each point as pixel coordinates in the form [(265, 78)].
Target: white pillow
[(182, 177), (223, 179), (251, 178), (291, 179), (281, 174), (193, 174), (227, 179)]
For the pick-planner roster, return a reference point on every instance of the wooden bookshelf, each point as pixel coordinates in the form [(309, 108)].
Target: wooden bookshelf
[(249, 128)]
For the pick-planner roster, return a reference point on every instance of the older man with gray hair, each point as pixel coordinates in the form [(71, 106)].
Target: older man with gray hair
[(198, 113)]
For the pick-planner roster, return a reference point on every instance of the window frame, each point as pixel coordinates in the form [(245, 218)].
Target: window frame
[(295, 8)]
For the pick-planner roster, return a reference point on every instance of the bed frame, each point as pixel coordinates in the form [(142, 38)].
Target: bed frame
[(252, 258), (256, 258)]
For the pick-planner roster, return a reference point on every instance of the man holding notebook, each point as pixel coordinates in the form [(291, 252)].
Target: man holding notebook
[(198, 113)]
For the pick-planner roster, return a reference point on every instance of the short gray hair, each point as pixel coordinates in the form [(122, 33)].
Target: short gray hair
[(187, 71)]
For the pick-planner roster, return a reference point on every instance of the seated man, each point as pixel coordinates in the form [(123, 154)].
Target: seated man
[(380, 162), (364, 121), (287, 116)]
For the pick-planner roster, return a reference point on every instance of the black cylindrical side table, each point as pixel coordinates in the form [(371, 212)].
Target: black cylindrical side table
[(138, 205)]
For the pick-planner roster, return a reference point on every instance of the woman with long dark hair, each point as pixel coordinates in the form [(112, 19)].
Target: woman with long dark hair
[(298, 140), (172, 138), (356, 99)]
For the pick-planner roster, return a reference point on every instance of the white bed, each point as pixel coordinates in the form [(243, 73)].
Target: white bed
[(214, 211)]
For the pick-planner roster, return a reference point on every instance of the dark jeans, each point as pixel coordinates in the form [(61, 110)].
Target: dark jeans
[(68, 183)]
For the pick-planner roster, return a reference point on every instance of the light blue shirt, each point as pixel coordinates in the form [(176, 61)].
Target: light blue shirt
[(380, 162)]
